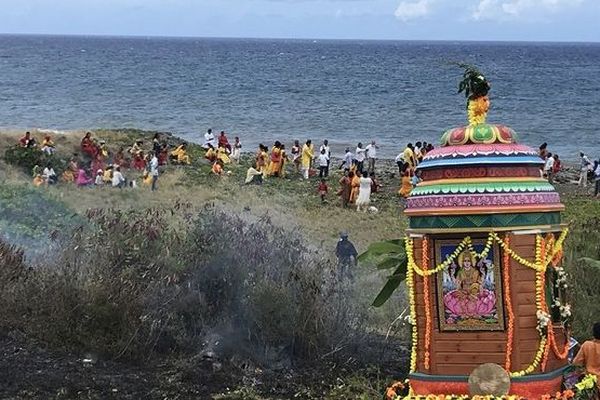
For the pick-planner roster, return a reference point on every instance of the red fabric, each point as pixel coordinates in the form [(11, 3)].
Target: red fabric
[(88, 147), (139, 162), (322, 187), (556, 166), (531, 390)]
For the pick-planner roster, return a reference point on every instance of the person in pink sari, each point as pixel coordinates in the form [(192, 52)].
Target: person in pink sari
[(82, 178)]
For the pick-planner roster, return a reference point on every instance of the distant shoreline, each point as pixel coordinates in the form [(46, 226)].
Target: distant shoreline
[(304, 39)]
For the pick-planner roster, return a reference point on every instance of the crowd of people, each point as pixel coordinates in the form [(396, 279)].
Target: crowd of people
[(96, 165), (588, 170)]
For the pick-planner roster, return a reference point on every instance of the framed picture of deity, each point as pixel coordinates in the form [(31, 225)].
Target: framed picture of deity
[(469, 289)]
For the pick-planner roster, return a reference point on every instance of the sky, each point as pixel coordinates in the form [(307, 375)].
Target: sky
[(523, 20)]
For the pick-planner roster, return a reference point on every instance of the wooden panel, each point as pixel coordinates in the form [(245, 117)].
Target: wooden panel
[(523, 310), (454, 369), (527, 334), (470, 336), (466, 347), (524, 298), (524, 275), (526, 322), (525, 287), (475, 358)]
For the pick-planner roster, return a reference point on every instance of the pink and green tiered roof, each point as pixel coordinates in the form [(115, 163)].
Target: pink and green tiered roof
[(481, 178)]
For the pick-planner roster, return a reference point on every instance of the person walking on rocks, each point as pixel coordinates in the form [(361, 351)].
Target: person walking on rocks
[(584, 169), (371, 156)]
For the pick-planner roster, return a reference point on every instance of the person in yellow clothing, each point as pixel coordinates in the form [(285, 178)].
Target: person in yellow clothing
[(48, 146), (284, 160), (222, 154), (307, 156), (354, 186), (409, 156), (107, 175), (179, 155), (275, 165), (38, 180), (217, 168), (406, 186)]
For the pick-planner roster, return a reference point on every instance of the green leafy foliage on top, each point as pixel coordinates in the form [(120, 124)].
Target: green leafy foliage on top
[(387, 255), (474, 83)]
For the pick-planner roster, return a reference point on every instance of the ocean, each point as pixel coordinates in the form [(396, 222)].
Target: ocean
[(393, 92)]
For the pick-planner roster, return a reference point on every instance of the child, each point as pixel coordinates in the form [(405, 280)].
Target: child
[(416, 179), (375, 185), (237, 150), (589, 354), (217, 168), (323, 164), (99, 178), (322, 189)]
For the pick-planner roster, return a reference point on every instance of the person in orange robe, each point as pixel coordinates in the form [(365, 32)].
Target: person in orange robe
[(275, 165), (354, 184)]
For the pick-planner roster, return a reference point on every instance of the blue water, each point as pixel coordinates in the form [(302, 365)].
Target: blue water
[(264, 90)]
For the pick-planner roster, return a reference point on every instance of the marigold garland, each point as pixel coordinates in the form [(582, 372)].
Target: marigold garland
[(561, 355), (413, 308), (426, 294), (509, 307)]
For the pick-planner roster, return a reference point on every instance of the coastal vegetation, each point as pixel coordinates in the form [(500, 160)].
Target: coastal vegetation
[(210, 280)]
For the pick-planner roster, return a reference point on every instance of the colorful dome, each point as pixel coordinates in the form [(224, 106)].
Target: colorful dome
[(481, 133), (482, 178)]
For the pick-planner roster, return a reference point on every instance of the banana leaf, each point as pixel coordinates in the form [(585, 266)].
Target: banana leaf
[(379, 249), (392, 284)]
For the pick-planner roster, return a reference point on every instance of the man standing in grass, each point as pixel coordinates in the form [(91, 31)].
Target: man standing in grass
[(372, 156), (154, 170), (584, 168), (325, 147), (346, 254)]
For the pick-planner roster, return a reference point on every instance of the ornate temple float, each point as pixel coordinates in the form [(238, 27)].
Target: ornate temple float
[(484, 248)]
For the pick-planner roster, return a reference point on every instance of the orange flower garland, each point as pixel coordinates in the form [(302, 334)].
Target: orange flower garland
[(509, 308), (552, 339), (425, 260)]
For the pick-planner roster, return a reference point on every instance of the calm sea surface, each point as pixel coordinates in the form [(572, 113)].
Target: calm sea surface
[(264, 90)]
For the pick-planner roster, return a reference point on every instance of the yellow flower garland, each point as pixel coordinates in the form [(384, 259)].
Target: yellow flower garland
[(413, 307)]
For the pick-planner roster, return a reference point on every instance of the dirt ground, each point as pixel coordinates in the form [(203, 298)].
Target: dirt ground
[(29, 371)]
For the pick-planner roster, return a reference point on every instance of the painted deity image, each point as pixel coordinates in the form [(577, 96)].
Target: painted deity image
[(469, 289)]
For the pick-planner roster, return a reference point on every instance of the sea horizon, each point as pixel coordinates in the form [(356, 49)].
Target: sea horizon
[(261, 89)]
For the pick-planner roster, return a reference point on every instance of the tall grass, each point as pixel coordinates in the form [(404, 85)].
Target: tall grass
[(134, 285)]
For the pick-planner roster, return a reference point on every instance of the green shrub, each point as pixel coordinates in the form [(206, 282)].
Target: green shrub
[(26, 159)]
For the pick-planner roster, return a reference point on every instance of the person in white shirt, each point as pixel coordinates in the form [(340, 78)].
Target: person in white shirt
[(347, 161), (586, 164), (364, 194), (400, 161), (209, 139), (371, 156), (49, 175), (597, 180), (325, 147), (154, 170), (359, 157), (549, 167), (118, 180), (323, 164), (99, 181), (237, 150)]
